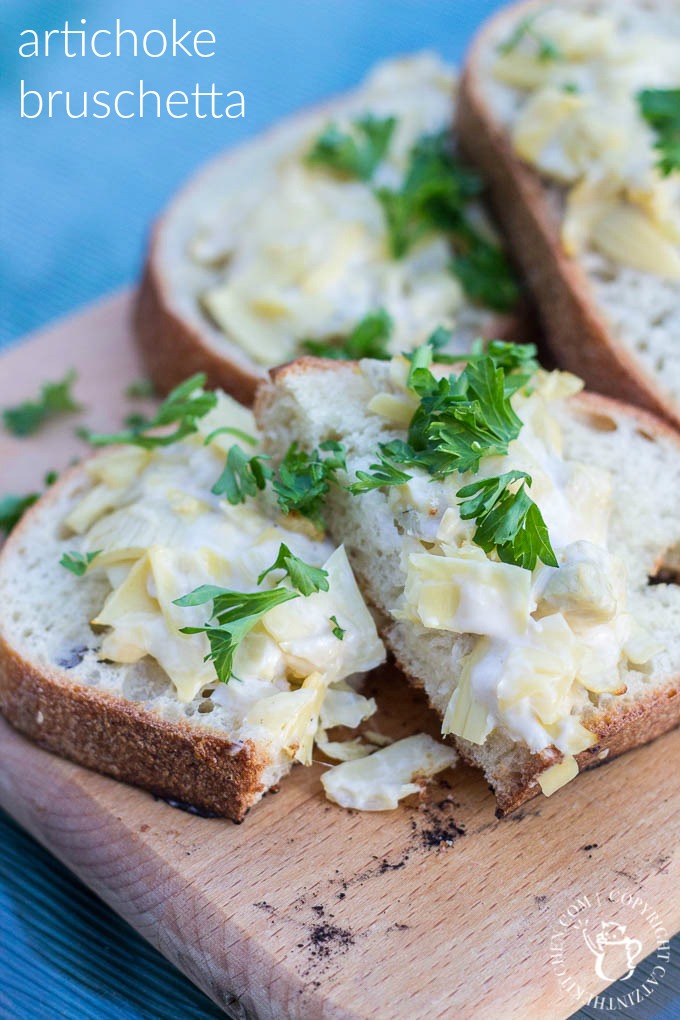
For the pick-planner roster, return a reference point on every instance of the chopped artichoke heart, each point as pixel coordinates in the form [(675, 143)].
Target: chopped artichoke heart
[(291, 718), (304, 631), (119, 467), (558, 775), (541, 119), (237, 318), (345, 708), (640, 646), (626, 235), (342, 750), (521, 71), (577, 36), (91, 507), (397, 409), (541, 673), (468, 595), (465, 716), (380, 781)]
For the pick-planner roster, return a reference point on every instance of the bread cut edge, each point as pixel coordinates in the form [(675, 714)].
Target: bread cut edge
[(118, 737), (618, 728), (577, 332)]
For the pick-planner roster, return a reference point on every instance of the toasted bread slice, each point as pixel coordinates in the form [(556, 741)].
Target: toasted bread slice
[(97, 670), (613, 323), (261, 252), (314, 400)]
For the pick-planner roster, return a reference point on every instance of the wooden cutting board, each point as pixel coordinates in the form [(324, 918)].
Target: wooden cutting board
[(308, 911)]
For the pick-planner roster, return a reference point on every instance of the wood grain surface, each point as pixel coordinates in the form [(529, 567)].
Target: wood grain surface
[(307, 911)]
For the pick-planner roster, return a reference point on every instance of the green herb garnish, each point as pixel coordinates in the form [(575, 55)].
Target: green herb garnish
[(303, 577), (303, 479), (242, 476), (661, 109), (384, 472), (78, 562), (140, 389), (337, 631), (546, 49), (55, 399), (234, 614), (460, 420), (354, 154), (183, 407), (433, 198), (507, 519), (13, 508), (368, 339)]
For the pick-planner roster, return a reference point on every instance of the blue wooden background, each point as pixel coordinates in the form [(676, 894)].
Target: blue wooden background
[(76, 202)]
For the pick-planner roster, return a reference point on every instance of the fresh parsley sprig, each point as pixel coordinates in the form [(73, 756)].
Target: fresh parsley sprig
[(433, 198), (55, 399), (242, 476), (303, 480), (183, 407), (661, 109), (356, 153), (13, 508), (507, 519), (546, 48), (305, 578), (78, 562), (368, 339), (234, 614), (384, 472), (337, 631)]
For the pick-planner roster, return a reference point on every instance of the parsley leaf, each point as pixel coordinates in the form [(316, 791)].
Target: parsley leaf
[(140, 389), (433, 197), (507, 519), (234, 613), (338, 631), (368, 339), (661, 109), (13, 508), (78, 562), (55, 399), (242, 476), (184, 407), (303, 479), (355, 154), (233, 616), (546, 49), (305, 578), (460, 419), (385, 472), (484, 272)]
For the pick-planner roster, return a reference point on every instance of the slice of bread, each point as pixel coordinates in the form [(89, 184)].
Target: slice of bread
[(615, 325), (223, 230), (313, 400), (125, 718)]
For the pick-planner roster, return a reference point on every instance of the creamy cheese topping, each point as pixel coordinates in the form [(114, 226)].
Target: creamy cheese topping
[(576, 76), (308, 256), (159, 533), (544, 642)]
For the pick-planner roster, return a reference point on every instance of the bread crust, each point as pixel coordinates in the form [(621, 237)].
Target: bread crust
[(619, 727), (173, 347), (577, 332), (120, 738)]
